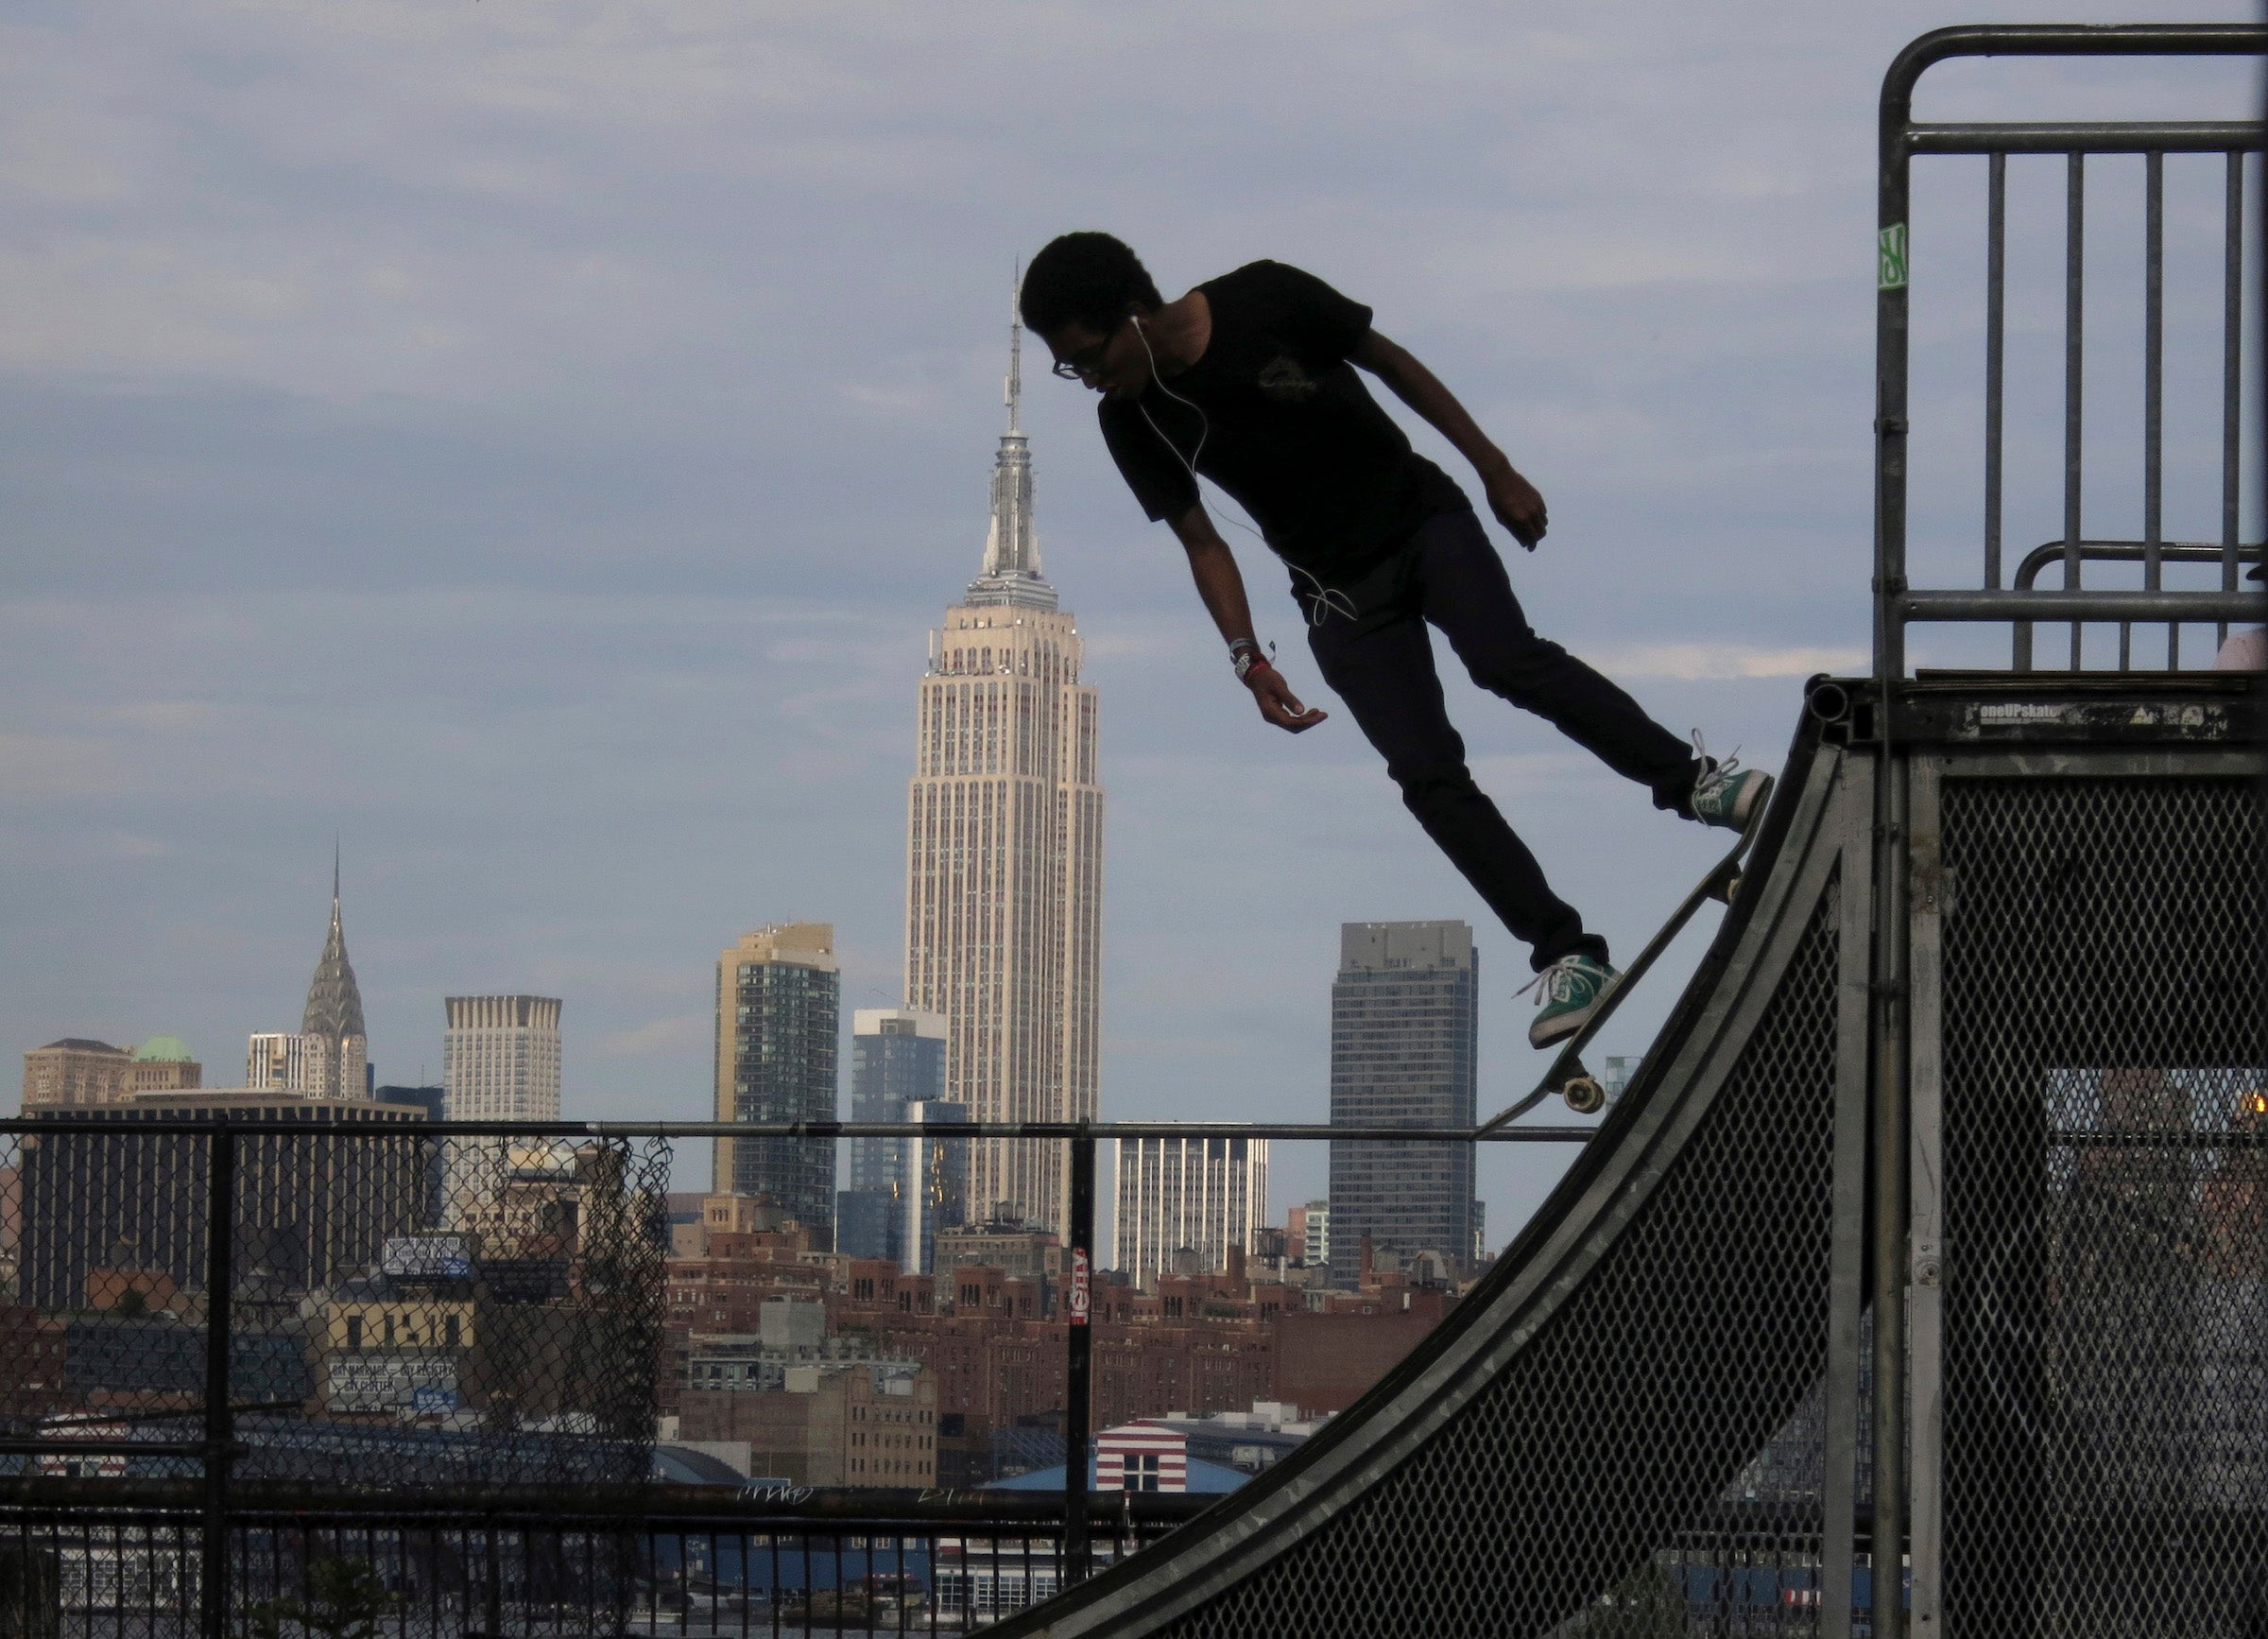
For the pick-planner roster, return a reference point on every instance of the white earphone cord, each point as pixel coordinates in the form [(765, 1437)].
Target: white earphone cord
[(1327, 599)]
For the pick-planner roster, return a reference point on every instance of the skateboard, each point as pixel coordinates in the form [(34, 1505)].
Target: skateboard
[(1568, 1076)]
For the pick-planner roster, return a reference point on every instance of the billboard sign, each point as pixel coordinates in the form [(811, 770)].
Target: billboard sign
[(427, 1257)]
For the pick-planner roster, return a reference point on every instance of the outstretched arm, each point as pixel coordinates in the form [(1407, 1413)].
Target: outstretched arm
[(1511, 497), (1212, 566)]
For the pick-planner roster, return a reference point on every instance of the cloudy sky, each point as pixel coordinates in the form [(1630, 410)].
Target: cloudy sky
[(528, 440)]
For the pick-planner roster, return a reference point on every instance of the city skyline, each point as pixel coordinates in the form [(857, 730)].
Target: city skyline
[(512, 527)]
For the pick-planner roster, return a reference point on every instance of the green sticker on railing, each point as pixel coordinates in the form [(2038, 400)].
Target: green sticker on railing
[(1890, 261)]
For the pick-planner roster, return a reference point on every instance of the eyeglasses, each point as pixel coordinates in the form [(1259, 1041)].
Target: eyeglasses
[(1087, 361)]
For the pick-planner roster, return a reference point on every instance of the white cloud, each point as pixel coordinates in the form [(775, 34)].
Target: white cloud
[(1693, 661)]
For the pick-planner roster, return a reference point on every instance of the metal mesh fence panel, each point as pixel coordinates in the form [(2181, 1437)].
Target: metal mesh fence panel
[(1644, 1462), (2105, 1384)]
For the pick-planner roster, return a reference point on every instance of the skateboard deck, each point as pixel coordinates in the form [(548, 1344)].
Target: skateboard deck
[(1568, 1076)]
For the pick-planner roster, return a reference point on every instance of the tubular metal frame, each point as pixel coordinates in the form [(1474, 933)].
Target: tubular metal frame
[(1896, 604)]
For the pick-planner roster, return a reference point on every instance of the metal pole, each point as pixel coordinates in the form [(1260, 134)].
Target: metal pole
[(1894, 186), (1889, 1250), (2232, 369), (2154, 398), (2074, 302), (1080, 1354), (1996, 330), (220, 1423), (1890, 388)]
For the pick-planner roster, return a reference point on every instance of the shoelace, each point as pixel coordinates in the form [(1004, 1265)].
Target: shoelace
[(1556, 983), (1713, 775)]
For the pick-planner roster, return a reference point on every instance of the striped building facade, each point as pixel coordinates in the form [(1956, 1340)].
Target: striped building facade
[(1005, 858)]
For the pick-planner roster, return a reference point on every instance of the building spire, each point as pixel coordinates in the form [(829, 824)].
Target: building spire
[(1011, 570), (1016, 357), (334, 1011)]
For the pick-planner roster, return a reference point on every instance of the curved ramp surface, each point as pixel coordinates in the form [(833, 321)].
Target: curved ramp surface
[(1638, 1372)]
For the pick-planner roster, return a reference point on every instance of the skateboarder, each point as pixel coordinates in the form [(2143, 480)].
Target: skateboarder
[(1249, 379)]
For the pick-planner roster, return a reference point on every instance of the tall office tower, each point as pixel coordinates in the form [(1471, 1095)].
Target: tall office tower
[(1004, 854), (897, 1058), (276, 1062), (500, 1057), (1201, 1195), (1405, 1051), (338, 1051), (778, 1012)]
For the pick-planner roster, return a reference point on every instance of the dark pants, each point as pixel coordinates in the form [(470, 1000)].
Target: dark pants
[(1380, 660)]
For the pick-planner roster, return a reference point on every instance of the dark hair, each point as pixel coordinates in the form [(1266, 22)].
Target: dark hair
[(1085, 278)]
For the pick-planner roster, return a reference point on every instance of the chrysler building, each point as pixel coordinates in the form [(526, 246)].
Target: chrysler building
[(1004, 854)]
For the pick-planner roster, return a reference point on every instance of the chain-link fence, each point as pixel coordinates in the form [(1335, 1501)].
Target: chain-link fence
[(227, 1316), (384, 1306)]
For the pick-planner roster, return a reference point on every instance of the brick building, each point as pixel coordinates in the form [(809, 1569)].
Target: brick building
[(990, 1346)]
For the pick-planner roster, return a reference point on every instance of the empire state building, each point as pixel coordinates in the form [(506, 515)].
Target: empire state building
[(1004, 854)]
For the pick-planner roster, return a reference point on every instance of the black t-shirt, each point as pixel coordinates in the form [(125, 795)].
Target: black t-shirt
[(1288, 428)]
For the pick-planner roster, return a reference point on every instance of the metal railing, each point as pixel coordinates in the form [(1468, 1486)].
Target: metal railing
[(643, 1562), (196, 1551), (1899, 604)]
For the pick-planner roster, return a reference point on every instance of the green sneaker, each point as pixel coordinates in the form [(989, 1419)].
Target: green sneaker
[(1567, 994), (1724, 793)]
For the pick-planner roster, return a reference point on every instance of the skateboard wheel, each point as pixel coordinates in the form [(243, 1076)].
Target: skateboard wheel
[(1584, 1095)]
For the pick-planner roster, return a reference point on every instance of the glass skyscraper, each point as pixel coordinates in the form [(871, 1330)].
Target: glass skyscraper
[(779, 1010), (896, 1059)]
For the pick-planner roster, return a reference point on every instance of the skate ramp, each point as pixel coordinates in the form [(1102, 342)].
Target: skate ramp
[(1637, 1394)]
